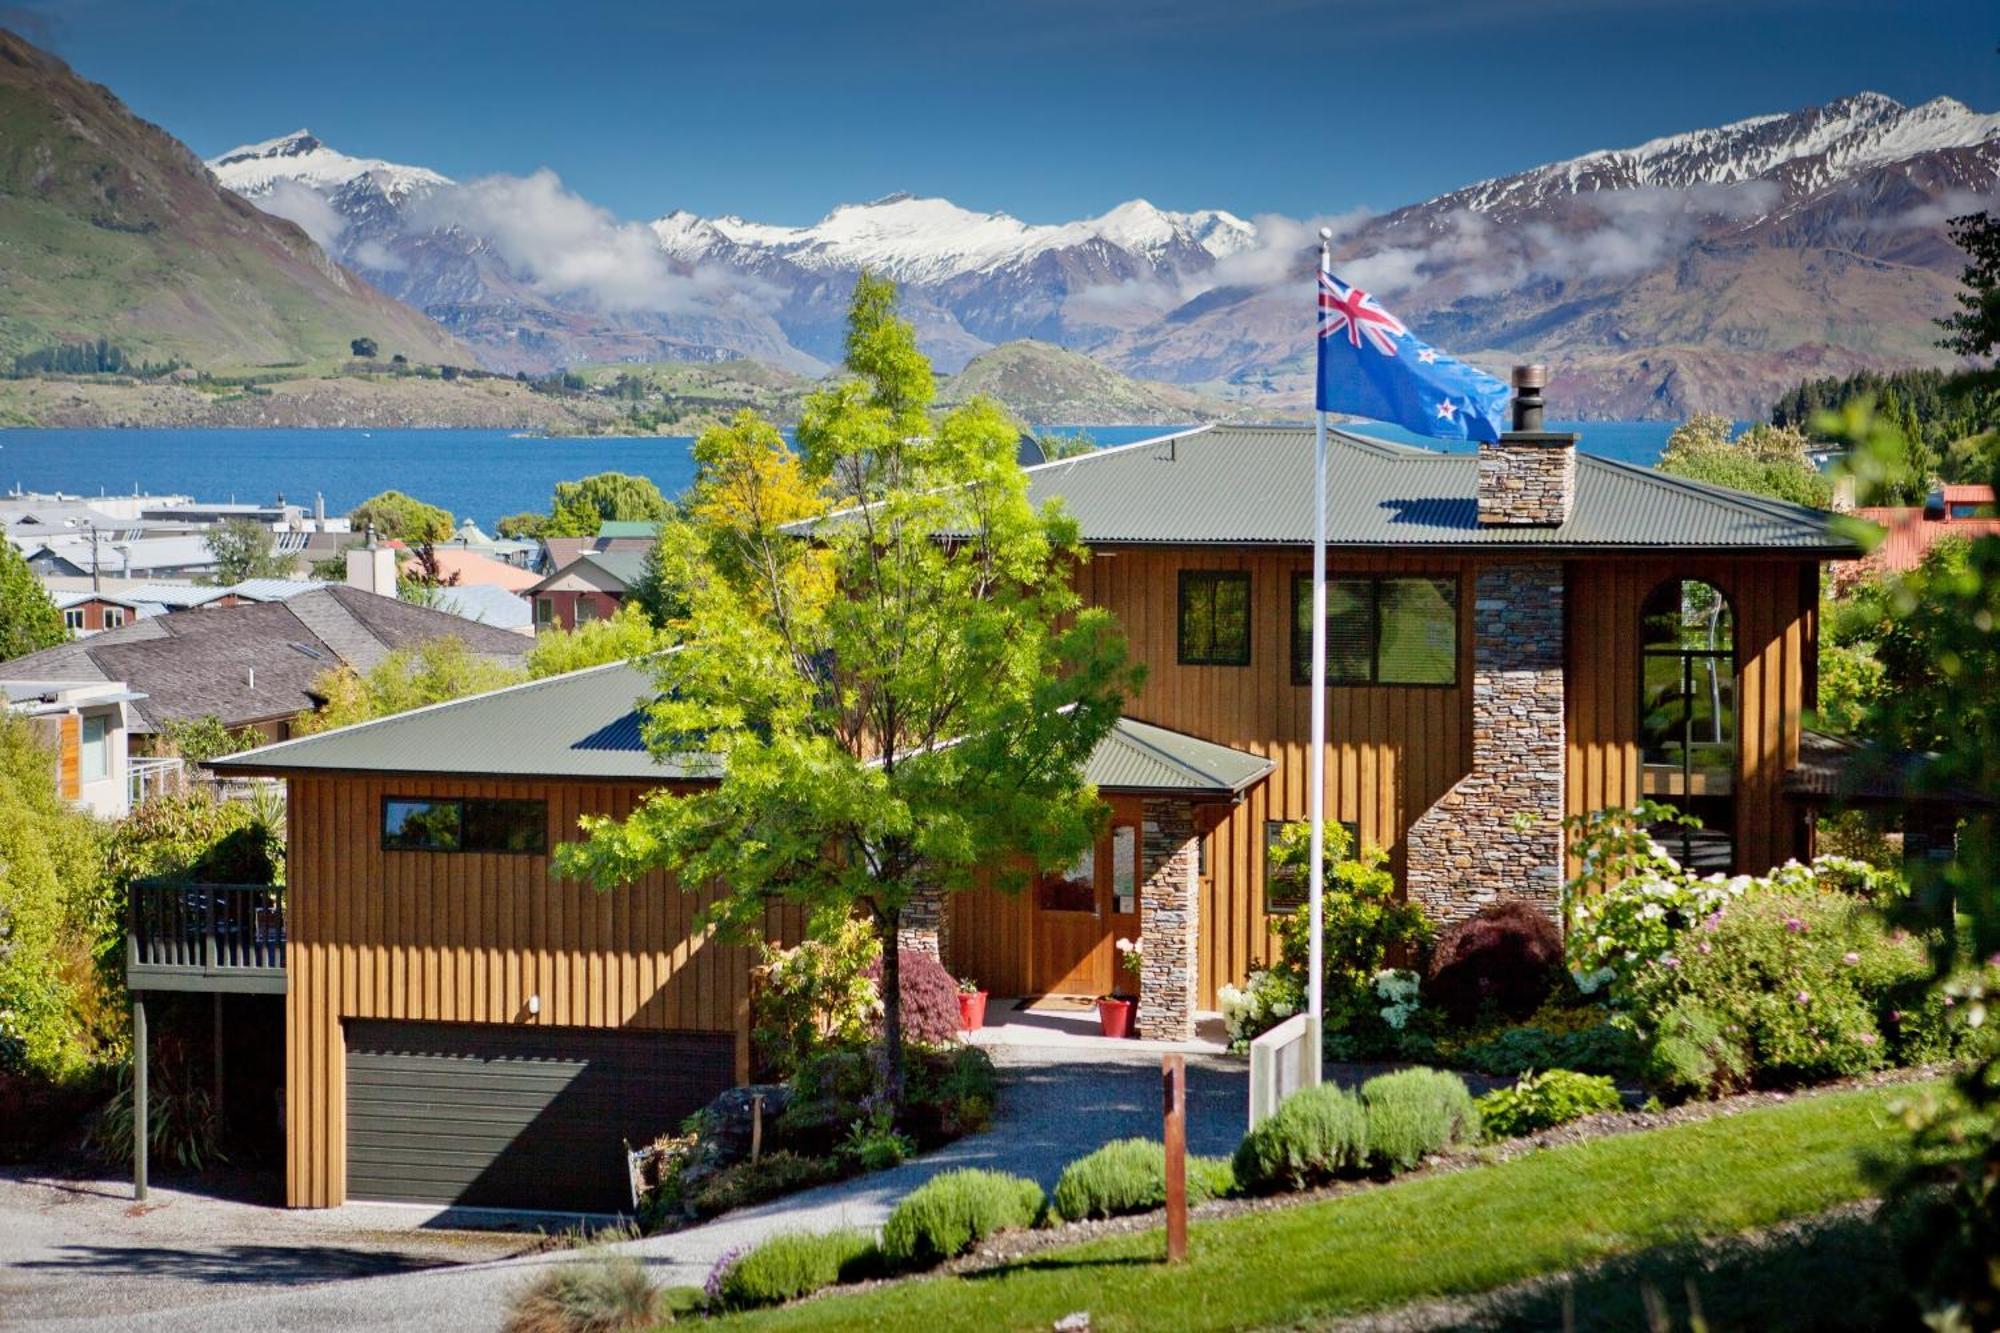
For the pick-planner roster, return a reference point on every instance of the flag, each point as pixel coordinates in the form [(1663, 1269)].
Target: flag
[(1371, 366)]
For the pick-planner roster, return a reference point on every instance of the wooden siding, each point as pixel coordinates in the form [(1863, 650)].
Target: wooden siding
[(463, 937), (69, 756)]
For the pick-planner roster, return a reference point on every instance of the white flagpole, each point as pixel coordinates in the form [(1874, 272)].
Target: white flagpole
[(1316, 783)]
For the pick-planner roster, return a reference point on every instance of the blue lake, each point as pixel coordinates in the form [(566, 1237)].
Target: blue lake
[(480, 474)]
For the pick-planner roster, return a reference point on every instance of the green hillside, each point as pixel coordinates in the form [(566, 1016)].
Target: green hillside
[(1044, 384), (110, 228)]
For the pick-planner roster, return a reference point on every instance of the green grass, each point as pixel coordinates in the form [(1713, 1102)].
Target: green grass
[(1449, 1235)]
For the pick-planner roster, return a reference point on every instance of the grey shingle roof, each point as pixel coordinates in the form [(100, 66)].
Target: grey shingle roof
[(589, 724), (258, 660), (1253, 484)]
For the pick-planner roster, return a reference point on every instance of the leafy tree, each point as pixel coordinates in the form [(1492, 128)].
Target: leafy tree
[(363, 348), (624, 637), (582, 507), (523, 525), (432, 672), (1974, 330), (200, 739), (892, 707), (244, 549), (420, 578), (1058, 445), (29, 620), (1764, 460), (396, 516)]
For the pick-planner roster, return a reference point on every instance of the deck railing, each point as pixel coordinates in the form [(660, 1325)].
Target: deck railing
[(149, 779), (185, 936)]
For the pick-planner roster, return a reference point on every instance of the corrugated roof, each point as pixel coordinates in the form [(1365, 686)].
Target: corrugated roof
[(1253, 485), (619, 527), (589, 724)]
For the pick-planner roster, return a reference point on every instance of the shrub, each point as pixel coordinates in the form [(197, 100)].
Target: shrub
[(1130, 1176), (1545, 1100), (797, 1264), (747, 1182), (1601, 1047), (1414, 1113), (1316, 1134), (948, 1092), (1506, 957), (873, 1145), (1265, 999), (184, 1125), (950, 1213), (815, 996), (930, 997), (1692, 1056), (603, 1295)]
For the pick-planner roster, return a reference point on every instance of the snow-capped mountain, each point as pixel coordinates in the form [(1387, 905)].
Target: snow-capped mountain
[(1700, 270)]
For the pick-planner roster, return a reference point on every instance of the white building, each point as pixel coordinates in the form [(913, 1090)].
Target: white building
[(85, 723)]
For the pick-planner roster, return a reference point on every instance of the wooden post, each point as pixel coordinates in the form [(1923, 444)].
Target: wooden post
[(756, 1125), (1173, 1078), (139, 1113)]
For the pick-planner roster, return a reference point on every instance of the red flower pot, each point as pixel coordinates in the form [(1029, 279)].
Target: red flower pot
[(1114, 1016), (971, 1010)]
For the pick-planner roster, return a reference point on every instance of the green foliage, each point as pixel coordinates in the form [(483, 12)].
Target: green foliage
[(580, 508), (1595, 1046), (54, 1013), (601, 1294), (396, 516), (1130, 1176), (200, 739), (796, 1264), (1927, 660), (1692, 1055), (432, 672), (746, 1182), (888, 710), (951, 1212), (874, 1145), (29, 620), (244, 549), (363, 347), (184, 1125), (1974, 328), (1764, 460), (1058, 445), (624, 636), (1316, 1135), (1545, 1100), (523, 525), (1416, 1112), (815, 995)]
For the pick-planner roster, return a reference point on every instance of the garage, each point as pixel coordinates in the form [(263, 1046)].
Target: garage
[(486, 1115)]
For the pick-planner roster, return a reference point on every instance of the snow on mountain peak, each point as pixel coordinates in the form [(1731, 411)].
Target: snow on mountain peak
[(254, 170)]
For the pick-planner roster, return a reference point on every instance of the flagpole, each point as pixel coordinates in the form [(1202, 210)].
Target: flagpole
[(1316, 783)]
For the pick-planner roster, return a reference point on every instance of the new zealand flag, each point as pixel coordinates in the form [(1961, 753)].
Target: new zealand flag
[(1371, 366)]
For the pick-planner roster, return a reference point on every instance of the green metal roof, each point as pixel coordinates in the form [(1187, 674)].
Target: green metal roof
[(589, 725), (1241, 485), (619, 527)]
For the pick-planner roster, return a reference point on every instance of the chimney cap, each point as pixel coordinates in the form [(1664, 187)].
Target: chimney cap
[(1531, 377)]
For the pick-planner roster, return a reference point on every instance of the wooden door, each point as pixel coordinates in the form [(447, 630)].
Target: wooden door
[(1069, 930)]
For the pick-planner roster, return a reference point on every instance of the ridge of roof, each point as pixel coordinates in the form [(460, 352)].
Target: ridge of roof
[(1761, 506), (1117, 449)]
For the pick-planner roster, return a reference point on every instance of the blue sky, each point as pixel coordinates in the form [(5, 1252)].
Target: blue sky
[(1048, 109)]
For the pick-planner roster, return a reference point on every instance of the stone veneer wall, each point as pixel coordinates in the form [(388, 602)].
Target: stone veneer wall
[(926, 926), (1169, 917), (1527, 480), (1498, 832)]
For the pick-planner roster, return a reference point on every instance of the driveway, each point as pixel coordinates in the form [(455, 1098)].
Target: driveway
[(1054, 1107)]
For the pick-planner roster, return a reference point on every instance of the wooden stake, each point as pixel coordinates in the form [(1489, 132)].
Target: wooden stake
[(1173, 1078), (756, 1125)]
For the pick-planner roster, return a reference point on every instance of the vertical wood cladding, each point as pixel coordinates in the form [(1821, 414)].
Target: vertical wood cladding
[(469, 938)]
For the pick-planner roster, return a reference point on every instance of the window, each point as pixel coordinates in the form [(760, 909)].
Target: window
[(1073, 890), (114, 616), (431, 824), (73, 618), (1124, 870), (586, 611), (1379, 631), (545, 611), (96, 748), (1214, 618), (1288, 889), (1687, 718)]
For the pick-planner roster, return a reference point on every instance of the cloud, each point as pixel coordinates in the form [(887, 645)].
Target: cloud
[(1939, 211), (308, 208), (372, 254), (1640, 228)]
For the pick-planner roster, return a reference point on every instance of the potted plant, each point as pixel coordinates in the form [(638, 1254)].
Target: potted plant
[(1114, 1011), (971, 1005)]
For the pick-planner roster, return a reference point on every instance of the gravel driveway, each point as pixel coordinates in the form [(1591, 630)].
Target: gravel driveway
[(278, 1270)]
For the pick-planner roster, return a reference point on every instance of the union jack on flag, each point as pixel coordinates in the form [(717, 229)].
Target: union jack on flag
[(1371, 366)]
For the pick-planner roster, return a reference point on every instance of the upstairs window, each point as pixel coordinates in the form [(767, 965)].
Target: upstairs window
[(1687, 718), (73, 619), (1379, 631), (469, 824), (96, 736), (1214, 618)]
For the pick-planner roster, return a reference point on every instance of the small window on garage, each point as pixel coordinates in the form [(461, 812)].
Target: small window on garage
[(419, 825), (1214, 617), (464, 824)]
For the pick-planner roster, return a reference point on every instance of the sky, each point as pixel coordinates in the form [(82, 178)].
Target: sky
[(777, 110)]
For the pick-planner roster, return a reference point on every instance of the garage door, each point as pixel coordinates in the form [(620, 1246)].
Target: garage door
[(516, 1117)]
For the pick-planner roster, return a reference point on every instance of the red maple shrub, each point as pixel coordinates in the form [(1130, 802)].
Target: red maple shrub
[(1505, 956), (930, 997)]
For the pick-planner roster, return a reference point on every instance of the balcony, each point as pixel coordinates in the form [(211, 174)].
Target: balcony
[(225, 938)]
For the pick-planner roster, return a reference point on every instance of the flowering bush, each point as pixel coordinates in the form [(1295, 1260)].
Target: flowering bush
[(817, 995), (1263, 1001)]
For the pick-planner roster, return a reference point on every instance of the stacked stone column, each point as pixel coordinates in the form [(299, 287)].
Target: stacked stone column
[(926, 925), (1169, 917), (1498, 832)]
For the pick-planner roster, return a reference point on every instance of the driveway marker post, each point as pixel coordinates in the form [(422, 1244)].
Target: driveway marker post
[(1173, 1079)]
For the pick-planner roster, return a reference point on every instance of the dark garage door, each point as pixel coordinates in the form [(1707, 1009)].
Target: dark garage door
[(516, 1117)]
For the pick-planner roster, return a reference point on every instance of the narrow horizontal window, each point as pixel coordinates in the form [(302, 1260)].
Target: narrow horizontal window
[(506, 826), (1379, 631), (1214, 618), (420, 825), (469, 824)]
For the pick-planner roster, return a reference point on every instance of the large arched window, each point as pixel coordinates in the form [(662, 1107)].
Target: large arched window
[(1687, 718)]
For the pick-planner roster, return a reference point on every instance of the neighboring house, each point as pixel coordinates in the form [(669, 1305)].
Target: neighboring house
[(255, 664), (467, 568), (1963, 511), (85, 724), (1515, 638), (588, 588), (181, 556), (87, 613), (612, 535), (89, 610)]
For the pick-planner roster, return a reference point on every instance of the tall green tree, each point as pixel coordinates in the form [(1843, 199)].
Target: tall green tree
[(396, 516), (1764, 460), (244, 549), (429, 673), (582, 507), (1974, 329), (890, 706), (29, 620)]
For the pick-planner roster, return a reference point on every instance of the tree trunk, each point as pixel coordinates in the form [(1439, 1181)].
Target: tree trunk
[(890, 924)]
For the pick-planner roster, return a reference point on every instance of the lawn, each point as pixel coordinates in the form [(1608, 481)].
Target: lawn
[(1456, 1234)]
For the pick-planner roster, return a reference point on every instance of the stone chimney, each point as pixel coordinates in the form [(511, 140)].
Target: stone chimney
[(372, 568), (1528, 479)]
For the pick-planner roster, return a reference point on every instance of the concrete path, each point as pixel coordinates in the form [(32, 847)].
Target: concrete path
[(1054, 1108)]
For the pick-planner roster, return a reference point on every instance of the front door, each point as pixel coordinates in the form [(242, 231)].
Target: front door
[(1081, 912)]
